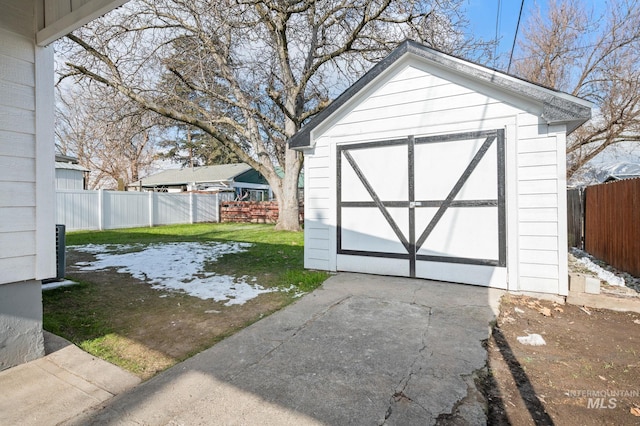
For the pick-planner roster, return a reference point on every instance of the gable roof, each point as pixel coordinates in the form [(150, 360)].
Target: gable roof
[(68, 162), (61, 165), (204, 174), (557, 107)]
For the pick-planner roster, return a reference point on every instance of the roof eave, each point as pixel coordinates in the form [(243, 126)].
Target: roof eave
[(558, 107)]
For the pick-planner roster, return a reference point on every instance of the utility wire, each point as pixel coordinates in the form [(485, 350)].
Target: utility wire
[(515, 36), (495, 48)]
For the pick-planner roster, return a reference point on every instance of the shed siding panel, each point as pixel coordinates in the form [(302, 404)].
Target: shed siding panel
[(539, 285), (538, 214), (419, 103), (405, 122), (317, 218), (539, 206), (413, 102), (69, 179), (17, 144), (545, 257)]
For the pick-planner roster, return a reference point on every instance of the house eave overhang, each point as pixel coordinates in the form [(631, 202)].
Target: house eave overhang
[(58, 17), (557, 107)]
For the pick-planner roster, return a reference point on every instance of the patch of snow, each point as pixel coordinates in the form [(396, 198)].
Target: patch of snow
[(57, 284), (532, 339), (176, 267), (608, 276)]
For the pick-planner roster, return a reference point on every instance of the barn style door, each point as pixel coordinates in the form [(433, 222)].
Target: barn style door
[(431, 207)]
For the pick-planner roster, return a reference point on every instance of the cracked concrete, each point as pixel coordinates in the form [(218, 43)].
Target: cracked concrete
[(361, 349)]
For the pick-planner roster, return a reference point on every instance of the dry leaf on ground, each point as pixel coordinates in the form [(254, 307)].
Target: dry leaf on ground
[(545, 311)]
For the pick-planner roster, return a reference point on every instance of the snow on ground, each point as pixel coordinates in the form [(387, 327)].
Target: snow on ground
[(585, 259), (176, 267)]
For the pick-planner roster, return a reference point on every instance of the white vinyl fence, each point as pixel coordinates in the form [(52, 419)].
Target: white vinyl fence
[(91, 210)]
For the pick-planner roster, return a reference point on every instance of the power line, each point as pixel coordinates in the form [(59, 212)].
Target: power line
[(495, 48), (515, 36)]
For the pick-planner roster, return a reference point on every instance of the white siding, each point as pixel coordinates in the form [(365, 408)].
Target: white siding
[(418, 102), (411, 102), (319, 202), (69, 179), (17, 17), (540, 242), (408, 99), (17, 144)]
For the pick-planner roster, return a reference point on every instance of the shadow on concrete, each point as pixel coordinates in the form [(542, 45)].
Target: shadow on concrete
[(53, 343), (361, 349)]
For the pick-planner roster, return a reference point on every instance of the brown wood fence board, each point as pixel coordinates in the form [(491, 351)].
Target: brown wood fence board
[(251, 211), (575, 217), (612, 224)]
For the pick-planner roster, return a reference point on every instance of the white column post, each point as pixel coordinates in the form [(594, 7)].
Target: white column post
[(151, 212), (101, 209)]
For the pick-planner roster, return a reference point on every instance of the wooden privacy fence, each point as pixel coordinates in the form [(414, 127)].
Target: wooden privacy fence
[(575, 217), (251, 211), (97, 210), (612, 224)]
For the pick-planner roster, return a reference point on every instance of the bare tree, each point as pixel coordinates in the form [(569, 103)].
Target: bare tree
[(108, 134), (593, 57), (250, 73)]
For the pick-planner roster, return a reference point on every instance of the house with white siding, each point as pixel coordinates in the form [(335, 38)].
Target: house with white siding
[(70, 174), (434, 167), (27, 195)]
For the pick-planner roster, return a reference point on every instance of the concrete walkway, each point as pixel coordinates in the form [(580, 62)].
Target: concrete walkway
[(359, 350), (60, 386)]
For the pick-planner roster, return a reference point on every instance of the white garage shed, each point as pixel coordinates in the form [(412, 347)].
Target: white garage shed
[(434, 167)]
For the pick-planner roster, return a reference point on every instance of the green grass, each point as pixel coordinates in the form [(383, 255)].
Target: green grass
[(252, 233), (109, 315), (276, 256), (80, 319)]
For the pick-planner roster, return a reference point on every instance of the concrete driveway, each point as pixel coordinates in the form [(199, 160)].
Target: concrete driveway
[(361, 349)]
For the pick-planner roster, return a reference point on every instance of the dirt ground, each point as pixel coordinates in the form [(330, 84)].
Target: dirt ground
[(147, 330), (588, 373)]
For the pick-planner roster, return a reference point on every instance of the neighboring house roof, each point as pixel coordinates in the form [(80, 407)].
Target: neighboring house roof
[(68, 162), (557, 107), (70, 166), (204, 174), (619, 171)]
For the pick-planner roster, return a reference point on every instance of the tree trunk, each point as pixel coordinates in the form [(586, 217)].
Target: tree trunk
[(287, 194)]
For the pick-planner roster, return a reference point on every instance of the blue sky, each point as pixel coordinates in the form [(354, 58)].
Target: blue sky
[(483, 15), (482, 18)]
